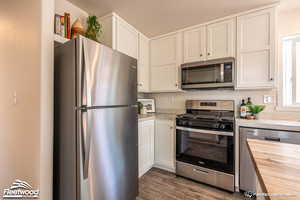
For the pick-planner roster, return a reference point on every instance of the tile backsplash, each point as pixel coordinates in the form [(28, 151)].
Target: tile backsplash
[(175, 102)]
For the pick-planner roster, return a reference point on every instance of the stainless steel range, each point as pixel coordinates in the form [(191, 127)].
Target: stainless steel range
[(205, 143)]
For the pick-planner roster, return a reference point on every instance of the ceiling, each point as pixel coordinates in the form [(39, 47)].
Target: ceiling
[(156, 17)]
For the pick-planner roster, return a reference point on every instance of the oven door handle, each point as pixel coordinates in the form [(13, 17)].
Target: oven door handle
[(204, 131), (200, 171)]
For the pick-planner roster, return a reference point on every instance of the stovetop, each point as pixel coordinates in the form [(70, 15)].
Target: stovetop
[(209, 120), (206, 117)]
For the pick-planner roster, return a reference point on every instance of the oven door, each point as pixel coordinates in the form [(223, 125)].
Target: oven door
[(205, 148), (204, 76)]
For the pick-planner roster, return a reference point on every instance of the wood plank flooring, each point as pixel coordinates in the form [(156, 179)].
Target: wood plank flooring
[(161, 185)]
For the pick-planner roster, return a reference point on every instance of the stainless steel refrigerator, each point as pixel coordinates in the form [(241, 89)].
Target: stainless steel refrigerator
[(95, 120)]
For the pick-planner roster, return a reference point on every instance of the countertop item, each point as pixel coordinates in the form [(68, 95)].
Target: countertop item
[(278, 168), (270, 124), (150, 116)]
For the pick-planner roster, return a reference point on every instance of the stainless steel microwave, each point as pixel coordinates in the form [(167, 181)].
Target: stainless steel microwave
[(217, 73)]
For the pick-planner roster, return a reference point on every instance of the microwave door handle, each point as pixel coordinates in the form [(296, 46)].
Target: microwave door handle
[(222, 73)]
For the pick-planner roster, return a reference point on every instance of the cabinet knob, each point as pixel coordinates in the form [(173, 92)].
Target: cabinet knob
[(176, 84), (171, 127), (271, 79), (208, 54), (201, 55)]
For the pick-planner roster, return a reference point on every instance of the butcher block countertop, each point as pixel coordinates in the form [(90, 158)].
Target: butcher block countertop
[(278, 168)]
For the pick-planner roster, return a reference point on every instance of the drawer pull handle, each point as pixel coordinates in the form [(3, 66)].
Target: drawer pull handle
[(274, 139), (200, 171)]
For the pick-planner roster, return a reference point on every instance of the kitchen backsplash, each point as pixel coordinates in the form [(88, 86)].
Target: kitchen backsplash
[(175, 102)]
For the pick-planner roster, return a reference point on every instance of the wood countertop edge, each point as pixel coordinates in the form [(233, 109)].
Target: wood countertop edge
[(261, 181)]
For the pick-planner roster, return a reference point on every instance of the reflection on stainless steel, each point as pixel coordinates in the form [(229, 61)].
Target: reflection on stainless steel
[(113, 157), (96, 153), (109, 73)]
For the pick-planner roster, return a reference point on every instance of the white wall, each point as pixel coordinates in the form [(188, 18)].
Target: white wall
[(46, 96), (26, 54), (20, 56)]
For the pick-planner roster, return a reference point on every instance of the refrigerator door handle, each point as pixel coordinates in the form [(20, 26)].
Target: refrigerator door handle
[(85, 143)]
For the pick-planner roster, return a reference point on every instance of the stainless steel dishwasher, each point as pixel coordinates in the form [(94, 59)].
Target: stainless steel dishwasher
[(247, 172)]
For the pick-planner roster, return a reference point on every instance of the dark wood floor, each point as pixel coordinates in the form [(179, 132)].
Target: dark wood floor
[(161, 185)]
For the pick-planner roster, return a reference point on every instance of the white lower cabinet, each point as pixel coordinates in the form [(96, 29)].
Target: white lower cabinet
[(165, 144), (146, 146)]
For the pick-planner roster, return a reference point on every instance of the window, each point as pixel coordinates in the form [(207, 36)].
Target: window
[(291, 71)]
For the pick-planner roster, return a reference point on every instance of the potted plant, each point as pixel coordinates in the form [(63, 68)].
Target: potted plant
[(255, 110), (140, 107), (94, 28)]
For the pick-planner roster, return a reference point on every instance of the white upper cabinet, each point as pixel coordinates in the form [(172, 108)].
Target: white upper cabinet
[(194, 45), (143, 64), (221, 39), (213, 41), (119, 35), (127, 39), (165, 60), (164, 51), (256, 50)]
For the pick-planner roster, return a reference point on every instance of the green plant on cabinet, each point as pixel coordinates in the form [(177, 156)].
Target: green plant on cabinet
[(94, 29)]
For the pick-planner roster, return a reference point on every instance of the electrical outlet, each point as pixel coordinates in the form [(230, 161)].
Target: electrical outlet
[(268, 99)]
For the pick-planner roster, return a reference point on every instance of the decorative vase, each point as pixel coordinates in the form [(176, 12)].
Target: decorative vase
[(77, 29)]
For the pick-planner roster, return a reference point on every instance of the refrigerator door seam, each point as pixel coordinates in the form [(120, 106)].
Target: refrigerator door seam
[(84, 108)]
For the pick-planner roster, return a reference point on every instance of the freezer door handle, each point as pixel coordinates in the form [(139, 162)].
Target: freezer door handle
[(85, 143), (87, 76)]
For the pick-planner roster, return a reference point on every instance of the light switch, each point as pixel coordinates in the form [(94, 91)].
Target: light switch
[(268, 99)]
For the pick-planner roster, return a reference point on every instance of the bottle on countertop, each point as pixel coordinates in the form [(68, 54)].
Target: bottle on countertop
[(243, 110), (249, 102)]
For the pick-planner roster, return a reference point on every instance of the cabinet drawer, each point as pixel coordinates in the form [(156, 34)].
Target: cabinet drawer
[(204, 175), (197, 173)]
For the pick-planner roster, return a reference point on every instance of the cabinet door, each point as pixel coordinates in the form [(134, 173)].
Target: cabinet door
[(164, 78), (165, 59), (165, 144), (127, 39), (221, 39), (146, 146), (143, 64), (256, 49), (194, 45)]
